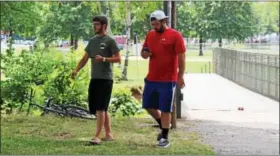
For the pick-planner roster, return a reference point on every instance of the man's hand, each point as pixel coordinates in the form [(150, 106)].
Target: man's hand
[(145, 55), (98, 58), (74, 74), (81, 64), (181, 81)]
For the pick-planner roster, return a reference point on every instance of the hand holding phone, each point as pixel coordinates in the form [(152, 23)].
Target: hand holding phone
[(146, 53)]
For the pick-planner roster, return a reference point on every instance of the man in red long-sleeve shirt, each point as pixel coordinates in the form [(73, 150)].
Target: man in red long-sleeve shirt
[(166, 52)]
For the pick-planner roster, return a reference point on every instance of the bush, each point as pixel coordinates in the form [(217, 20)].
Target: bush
[(61, 87), (48, 73), (124, 103), (23, 72)]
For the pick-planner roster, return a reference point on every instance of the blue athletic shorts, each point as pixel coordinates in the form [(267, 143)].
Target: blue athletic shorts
[(159, 95)]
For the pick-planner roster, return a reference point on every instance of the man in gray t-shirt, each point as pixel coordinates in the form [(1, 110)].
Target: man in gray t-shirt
[(103, 51)]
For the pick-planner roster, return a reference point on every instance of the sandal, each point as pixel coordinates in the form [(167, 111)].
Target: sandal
[(107, 139), (94, 142)]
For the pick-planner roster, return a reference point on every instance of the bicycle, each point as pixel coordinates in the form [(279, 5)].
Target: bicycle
[(76, 111), (46, 108), (62, 110)]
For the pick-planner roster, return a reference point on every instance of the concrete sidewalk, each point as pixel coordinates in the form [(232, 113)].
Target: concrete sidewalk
[(211, 97), (211, 103)]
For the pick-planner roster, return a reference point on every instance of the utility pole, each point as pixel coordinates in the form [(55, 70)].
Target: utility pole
[(170, 10), (179, 95), (170, 22)]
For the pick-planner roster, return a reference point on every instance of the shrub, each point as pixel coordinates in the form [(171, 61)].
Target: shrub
[(61, 87), (124, 103), (23, 72), (47, 72)]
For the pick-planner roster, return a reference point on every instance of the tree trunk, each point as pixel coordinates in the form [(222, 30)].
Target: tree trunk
[(21, 103), (76, 43), (10, 43), (200, 46), (165, 7), (75, 38), (220, 42), (128, 25), (102, 7), (71, 42), (173, 15), (11, 33), (108, 17), (169, 9)]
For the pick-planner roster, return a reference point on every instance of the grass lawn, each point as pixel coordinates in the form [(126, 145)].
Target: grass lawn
[(206, 53), (191, 52), (137, 71), (52, 135)]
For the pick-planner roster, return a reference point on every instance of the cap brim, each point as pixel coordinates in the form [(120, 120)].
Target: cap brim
[(163, 18), (160, 18)]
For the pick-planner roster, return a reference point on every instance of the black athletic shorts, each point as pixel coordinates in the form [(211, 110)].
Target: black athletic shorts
[(99, 94)]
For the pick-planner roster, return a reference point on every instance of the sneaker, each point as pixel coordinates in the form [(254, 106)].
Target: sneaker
[(159, 136), (163, 143)]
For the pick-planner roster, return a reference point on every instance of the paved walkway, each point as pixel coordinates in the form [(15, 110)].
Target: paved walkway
[(214, 101)]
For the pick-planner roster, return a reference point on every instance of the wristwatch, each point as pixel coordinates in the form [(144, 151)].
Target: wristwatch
[(104, 59)]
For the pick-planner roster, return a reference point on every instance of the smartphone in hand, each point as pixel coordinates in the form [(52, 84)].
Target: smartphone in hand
[(146, 50)]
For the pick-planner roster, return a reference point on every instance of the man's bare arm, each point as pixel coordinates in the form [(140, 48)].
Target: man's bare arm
[(82, 62), (116, 58), (181, 59)]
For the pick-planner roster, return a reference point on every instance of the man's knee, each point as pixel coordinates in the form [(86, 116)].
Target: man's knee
[(100, 112), (165, 113), (152, 110)]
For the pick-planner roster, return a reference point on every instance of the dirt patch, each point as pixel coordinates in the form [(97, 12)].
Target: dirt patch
[(63, 135)]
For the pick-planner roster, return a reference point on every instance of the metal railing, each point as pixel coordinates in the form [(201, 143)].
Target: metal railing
[(206, 68), (256, 71)]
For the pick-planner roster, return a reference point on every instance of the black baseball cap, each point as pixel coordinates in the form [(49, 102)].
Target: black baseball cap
[(101, 19)]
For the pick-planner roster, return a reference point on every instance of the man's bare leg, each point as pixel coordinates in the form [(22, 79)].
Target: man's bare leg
[(100, 115), (156, 114), (107, 126)]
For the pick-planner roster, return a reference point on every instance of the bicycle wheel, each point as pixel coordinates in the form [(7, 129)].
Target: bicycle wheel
[(53, 111), (79, 112)]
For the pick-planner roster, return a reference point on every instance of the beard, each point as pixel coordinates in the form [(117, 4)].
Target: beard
[(97, 31), (161, 29)]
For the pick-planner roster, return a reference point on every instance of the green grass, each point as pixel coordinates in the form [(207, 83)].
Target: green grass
[(51, 135), (206, 53), (137, 71)]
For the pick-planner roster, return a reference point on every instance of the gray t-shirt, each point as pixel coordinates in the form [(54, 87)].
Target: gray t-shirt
[(104, 46)]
